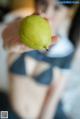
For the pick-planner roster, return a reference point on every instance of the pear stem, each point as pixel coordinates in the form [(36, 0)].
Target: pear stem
[(46, 48)]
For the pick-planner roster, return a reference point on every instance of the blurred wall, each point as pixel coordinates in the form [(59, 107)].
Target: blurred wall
[(3, 64)]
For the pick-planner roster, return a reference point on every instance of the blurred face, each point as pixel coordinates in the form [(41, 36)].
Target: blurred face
[(54, 12)]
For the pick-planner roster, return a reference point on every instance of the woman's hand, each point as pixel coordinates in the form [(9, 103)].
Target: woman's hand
[(11, 39)]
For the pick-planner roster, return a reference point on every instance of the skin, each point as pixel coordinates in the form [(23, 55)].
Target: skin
[(11, 38), (54, 12), (12, 42)]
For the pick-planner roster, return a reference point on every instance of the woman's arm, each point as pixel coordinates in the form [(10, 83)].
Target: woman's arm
[(53, 97)]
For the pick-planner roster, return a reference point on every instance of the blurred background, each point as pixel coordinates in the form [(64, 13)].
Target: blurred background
[(69, 106)]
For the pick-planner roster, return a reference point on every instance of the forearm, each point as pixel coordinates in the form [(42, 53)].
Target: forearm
[(54, 97)]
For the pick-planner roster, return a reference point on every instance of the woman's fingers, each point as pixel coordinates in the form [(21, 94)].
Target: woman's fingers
[(54, 39), (11, 38), (10, 34), (20, 48), (24, 48)]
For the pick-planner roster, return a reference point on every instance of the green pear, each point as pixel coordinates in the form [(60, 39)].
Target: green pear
[(35, 32)]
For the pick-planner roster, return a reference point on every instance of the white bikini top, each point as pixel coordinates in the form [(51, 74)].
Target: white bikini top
[(63, 48)]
